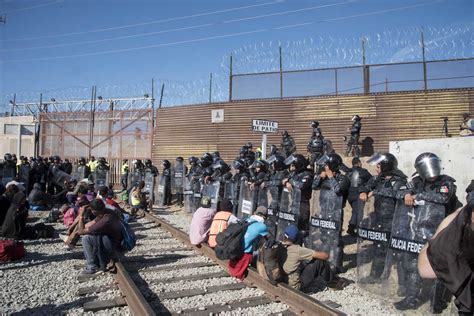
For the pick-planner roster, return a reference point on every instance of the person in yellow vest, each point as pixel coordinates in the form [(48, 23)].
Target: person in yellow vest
[(92, 164), (124, 174), (138, 198), (221, 220)]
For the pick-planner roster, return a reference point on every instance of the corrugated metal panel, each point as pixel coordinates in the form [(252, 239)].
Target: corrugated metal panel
[(185, 131)]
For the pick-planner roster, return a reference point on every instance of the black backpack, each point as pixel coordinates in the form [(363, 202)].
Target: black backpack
[(230, 242), (271, 256)]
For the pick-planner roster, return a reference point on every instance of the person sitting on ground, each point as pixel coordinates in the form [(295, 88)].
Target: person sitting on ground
[(72, 236), (467, 126), (104, 195), (221, 220), (15, 218), (201, 222), (100, 239), (305, 268), (257, 229), (138, 198), (449, 255), (38, 200)]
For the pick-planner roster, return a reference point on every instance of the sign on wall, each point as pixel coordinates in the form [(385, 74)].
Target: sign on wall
[(217, 116), (264, 126)]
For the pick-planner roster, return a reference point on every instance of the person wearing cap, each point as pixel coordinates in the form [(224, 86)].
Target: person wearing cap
[(221, 220), (467, 126), (201, 222), (304, 267), (256, 230), (38, 199), (138, 198), (100, 238)]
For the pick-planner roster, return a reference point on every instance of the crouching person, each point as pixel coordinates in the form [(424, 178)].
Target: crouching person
[(305, 268), (138, 198), (100, 239), (255, 229), (221, 220), (201, 222)]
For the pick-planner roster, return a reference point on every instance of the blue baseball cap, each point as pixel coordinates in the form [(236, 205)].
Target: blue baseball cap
[(291, 232)]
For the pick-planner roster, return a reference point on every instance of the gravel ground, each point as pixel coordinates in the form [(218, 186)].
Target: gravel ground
[(44, 282)]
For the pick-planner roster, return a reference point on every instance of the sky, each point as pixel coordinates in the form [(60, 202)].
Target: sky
[(63, 47)]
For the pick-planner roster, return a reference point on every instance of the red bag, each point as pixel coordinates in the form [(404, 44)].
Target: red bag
[(11, 250), (69, 217)]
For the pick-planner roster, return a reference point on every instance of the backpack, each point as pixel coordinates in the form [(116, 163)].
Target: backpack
[(69, 217), (269, 264), (11, 250), (43, 231), (230, 242), (129, 240)]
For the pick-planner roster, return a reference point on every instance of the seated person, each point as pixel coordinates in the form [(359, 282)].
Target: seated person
[(201, 222), (304, 267), (138, 198), (72, 232), (257, 229), (38, 200), (99, 239), (449, 255), (14, 220), (221, 220)]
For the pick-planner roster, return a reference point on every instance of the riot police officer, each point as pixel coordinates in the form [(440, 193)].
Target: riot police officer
[(358, 177), (124, 170), (301, 178), (429, 193), (384, 187), (316, 146), (333, 186), (353, 143), (150, 168), (8, 167), (288, 144), (166, 173), (315, 129), (232, 190), (179, 172), (67, 166), (83, 169), (53, 185)]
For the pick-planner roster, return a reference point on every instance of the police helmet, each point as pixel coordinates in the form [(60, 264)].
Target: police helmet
[(7, 157), (314, 124), (238, 164), (299, 161), (193, 160), (356, 118), (166, 164), (387, 161), (277, 161), (428, 165), (148, 162), (179, 158)]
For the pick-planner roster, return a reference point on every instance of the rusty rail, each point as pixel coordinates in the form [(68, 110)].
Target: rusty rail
[(298, 301), (136, 302)]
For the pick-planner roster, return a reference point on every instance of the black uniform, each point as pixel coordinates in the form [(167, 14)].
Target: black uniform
[(358, 177), (302, 180), (167, 179)]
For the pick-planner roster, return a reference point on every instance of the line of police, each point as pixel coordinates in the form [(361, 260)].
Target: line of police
[(396, 217)]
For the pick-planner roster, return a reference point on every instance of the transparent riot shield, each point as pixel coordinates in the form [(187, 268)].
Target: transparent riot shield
[(289, 210), (160, 191), (79, 172), (134, 177), (412, 227), (101, 178), (150, 188), (60, 177), (246, 200), (372, 243), (189, 206), (24, 176), (268, 197), (177, 176), (325, 223), (231, 193), (8, 173), (211, 190)]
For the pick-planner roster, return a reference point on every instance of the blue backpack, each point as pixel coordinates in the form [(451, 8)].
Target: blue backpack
[(129, 239)]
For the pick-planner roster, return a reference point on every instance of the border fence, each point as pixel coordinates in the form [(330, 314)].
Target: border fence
[(365, 79)]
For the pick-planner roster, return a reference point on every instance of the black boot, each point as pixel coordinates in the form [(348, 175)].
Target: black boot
[(409, 302), (351, 231)]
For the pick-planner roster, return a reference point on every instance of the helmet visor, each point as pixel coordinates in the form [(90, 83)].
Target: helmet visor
[(323, 160), (429, 167), (376, 159), (271, 159), (288, 161)]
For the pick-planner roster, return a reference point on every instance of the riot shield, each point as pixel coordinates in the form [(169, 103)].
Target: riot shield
[(8, 173), (325, 223), (212, 190), (134, 177), (79, 172), (189, 206), (59, 177), (160, 191), (177, 176), (231, 193), (372, 242), (289, 210), (246, 200), (150, 188), (101, 178), (24, 176), (412, 227), (268, 197)]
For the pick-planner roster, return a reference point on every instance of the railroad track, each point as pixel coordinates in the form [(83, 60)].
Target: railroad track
[(179, 279)]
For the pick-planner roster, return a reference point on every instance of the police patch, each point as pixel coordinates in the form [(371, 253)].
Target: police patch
[(444, 189)]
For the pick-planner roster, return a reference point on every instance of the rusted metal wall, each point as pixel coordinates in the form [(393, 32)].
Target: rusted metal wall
[(187, 130)]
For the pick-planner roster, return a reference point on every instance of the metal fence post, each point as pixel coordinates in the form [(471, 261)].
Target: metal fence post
[(425, 80), (230, 79), (281, 75)]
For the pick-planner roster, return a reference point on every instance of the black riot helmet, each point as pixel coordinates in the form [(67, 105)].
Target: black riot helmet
[(56, 159), (299, 161), (166, 164), (428, 166), (243, 151), (261, 164), (314, 124), (216, 156), (221, 165), (333, 161), (193, 160), (101, 161), (180, 159), (249, 145), (277, 162), (207, 172), (388, 162), (273, 149), (82, 160), (356, 118), (206, 160), (238, 164), (250, 158), (8, 157), (285, 133), (147, 162)]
